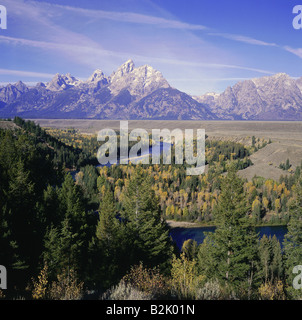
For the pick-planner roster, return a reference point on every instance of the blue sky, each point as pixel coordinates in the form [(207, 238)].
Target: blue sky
[(199, 45)]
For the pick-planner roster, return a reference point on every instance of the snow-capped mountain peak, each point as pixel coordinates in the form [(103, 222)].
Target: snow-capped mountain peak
[(143, 93), (62, 82)]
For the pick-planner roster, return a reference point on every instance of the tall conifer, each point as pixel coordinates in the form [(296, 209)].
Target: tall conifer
[(229, 254)]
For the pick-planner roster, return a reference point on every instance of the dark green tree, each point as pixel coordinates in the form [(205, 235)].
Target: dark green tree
[(270, 259), (150, 233), (105, 245), (111, 250), (66, 243), (293, 240), (230, 253), (63, 249), (277, 268)]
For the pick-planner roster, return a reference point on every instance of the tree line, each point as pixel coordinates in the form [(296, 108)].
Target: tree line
[(104, 231)]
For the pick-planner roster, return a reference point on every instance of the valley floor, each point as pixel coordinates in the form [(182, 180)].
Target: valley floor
[(286, 137)]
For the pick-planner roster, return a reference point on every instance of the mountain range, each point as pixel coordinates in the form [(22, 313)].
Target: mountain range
[(143, 93)]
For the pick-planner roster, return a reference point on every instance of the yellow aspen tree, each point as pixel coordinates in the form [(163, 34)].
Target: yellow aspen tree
[(277, 205), (40, 286), (265, 203)]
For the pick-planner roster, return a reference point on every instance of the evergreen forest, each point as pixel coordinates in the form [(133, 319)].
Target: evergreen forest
[(71, 229)]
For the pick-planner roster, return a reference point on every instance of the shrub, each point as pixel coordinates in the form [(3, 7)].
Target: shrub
[(40, 286), (272, 291), (210, 291), (67, 287), (147, 280), (125, 291)]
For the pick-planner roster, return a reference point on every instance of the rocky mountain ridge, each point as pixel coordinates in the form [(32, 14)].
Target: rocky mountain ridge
[(129, 93), (277, 97), (143, 93)]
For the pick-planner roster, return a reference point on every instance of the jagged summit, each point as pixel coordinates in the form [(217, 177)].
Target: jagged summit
[(139, 81), (97, 75), (123, 70), (62, 82), (143, 93), (129, 93), (276, 97), (21, 86)]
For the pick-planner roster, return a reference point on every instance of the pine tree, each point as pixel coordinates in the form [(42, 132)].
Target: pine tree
[(21, 221), (107, 218), (106, 246), (277, 268), (111, 251), (270, 259), (63, 248), (150, 233), (229, 254), (67, 242), (265, 256), (293, 240)]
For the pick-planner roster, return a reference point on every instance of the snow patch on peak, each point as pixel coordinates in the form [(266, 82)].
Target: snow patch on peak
[(124, 69), (212, 94), (268, 80), (138, 81), (96, 76), (62, 82)]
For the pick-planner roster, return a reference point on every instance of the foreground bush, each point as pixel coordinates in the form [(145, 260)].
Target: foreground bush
[(125, 291)]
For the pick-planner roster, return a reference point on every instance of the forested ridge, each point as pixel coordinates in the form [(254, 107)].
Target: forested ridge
[(70, 230)]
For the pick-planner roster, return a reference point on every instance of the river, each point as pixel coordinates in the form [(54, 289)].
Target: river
[(179, 235)]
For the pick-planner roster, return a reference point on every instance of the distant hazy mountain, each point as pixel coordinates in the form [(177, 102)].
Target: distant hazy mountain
[(143, 93), (277, 97), (129, 93)]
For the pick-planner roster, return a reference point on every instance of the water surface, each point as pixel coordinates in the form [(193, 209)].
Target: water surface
[(179, 235)]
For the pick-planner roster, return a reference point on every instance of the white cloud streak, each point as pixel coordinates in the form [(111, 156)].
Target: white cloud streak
[(87, 52), (97, 51), (22, 73), (295, 51), (131, 17), (244, 39), (211, 65)]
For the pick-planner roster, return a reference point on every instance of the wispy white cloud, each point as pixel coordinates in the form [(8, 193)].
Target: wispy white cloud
[(244, 39), (295, 51), (212, 65), (106, 40), (48, 45), (86, 55), (36, 19), (132, 18), (93, 51), (22, 73), (239, 38)]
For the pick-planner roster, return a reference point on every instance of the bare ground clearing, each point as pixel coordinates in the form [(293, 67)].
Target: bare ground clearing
[(7, 125)]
